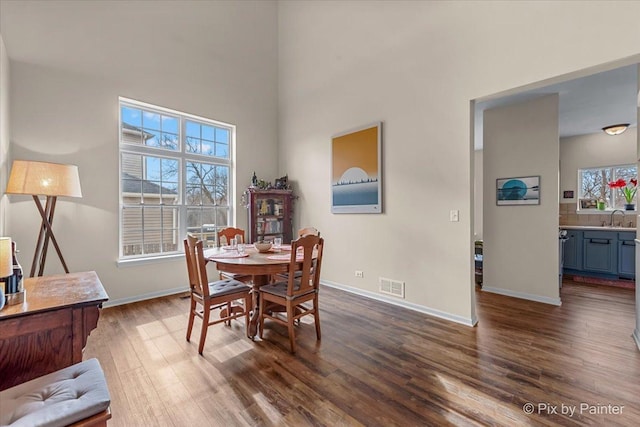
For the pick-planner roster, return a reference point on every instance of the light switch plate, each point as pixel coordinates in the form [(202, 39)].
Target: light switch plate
[(454, 215)]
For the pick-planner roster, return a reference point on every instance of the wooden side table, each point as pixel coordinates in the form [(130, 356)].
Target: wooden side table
[(49, 330)]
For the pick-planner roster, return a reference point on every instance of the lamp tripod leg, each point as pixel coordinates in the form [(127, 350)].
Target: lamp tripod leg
[(47, 220), (41, 234), (50, 207)]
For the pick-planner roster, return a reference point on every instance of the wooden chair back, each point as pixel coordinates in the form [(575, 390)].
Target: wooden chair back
[(196, 266), (308, 278), (308, 231), (228, 234)]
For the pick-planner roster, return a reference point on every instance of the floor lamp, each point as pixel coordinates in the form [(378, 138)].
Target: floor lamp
[(51, 180)]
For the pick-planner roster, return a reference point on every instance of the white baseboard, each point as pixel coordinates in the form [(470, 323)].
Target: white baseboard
[(401, 303), (121, 301), (636, 337), (523, 295)]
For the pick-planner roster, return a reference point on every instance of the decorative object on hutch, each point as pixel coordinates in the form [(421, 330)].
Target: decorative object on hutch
[(269, 213), (44, 179)]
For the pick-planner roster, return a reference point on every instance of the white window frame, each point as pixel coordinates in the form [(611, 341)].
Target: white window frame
[(182, 156), (608, 209)]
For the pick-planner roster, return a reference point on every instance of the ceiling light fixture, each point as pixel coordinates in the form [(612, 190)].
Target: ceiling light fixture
[(615, 129)]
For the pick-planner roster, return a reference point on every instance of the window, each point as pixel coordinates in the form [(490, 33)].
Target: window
[(593, 183), (175, 177)]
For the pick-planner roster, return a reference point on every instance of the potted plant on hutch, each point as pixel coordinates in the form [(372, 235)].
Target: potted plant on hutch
[(628, 190)]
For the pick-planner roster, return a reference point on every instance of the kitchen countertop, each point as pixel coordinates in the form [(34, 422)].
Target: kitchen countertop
[(596, 227)]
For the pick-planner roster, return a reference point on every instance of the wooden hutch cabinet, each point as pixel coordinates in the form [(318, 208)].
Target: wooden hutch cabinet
[(270, 214)]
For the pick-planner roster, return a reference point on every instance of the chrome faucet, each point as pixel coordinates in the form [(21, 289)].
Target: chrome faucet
[(611, 220)]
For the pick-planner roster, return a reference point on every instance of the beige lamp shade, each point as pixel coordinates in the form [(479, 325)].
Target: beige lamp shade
[(44, 179), (6, 259)]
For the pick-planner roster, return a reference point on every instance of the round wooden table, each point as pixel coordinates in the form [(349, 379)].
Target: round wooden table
[(257, 265)]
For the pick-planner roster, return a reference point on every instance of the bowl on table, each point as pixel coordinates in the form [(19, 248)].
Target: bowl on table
[(263, 246)]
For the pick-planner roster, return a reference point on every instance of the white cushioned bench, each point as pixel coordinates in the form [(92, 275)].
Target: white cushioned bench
[(77, 395)]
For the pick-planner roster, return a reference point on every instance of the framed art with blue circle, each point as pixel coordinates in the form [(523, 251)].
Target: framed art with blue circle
[(518, 191)]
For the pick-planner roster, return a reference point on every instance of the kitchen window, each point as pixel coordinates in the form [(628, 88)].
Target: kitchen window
[(175, 177), (593, 185)]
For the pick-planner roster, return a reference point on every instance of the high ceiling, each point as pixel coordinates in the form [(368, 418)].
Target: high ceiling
[(587, 104)]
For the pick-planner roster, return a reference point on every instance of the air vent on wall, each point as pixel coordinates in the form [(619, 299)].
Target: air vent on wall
[(391, 287)]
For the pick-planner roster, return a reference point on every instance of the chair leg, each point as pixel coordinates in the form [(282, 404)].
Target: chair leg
[(247, 314), (229, 313), (191, 317), (291, 309), (316, 317), (261, 318), (205, 324)]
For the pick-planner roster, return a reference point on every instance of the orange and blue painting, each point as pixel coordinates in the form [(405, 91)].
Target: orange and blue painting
[(356, 175)]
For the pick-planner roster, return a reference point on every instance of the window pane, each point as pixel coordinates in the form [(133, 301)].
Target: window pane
[(192, 145), (594, 183), (131, 116), (131, 242), (170, 124), (152, 138), (170, 194), (193, 195), (170, 240), (222, 217), (222, 150), (170, 171), (152, 168), (200, 221), (201, 179), (193, 129), (222, 135), (208, 148), (170, 141), (222, 185), (207, 132), (151, 121), (131, 165), (131, 125)]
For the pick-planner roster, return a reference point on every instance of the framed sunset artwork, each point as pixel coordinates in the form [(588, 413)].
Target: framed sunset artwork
[(356, 175)]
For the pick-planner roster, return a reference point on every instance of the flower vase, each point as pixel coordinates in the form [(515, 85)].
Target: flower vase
[(629, 207)]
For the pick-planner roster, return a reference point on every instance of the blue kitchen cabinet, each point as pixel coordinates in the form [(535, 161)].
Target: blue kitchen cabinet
[(626, 255), (600, 252), (573, 250)]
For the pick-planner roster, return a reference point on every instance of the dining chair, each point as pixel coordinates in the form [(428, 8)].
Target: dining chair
[(228, 234), (295, 291), (305, 231), (206, 296)]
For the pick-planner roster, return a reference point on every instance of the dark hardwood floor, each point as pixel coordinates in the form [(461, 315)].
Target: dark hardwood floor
[(380, 365)]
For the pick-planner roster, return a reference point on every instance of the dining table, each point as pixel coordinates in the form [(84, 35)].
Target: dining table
[(259, 265)]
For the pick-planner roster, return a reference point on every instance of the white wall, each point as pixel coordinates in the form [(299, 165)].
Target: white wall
[(521, 242), (478, 197), (213, 59), (594, 150), (416, 66), (4, 135)]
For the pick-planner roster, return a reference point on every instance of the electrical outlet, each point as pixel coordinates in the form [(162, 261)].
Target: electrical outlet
[(359, 274), (454, 215)]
